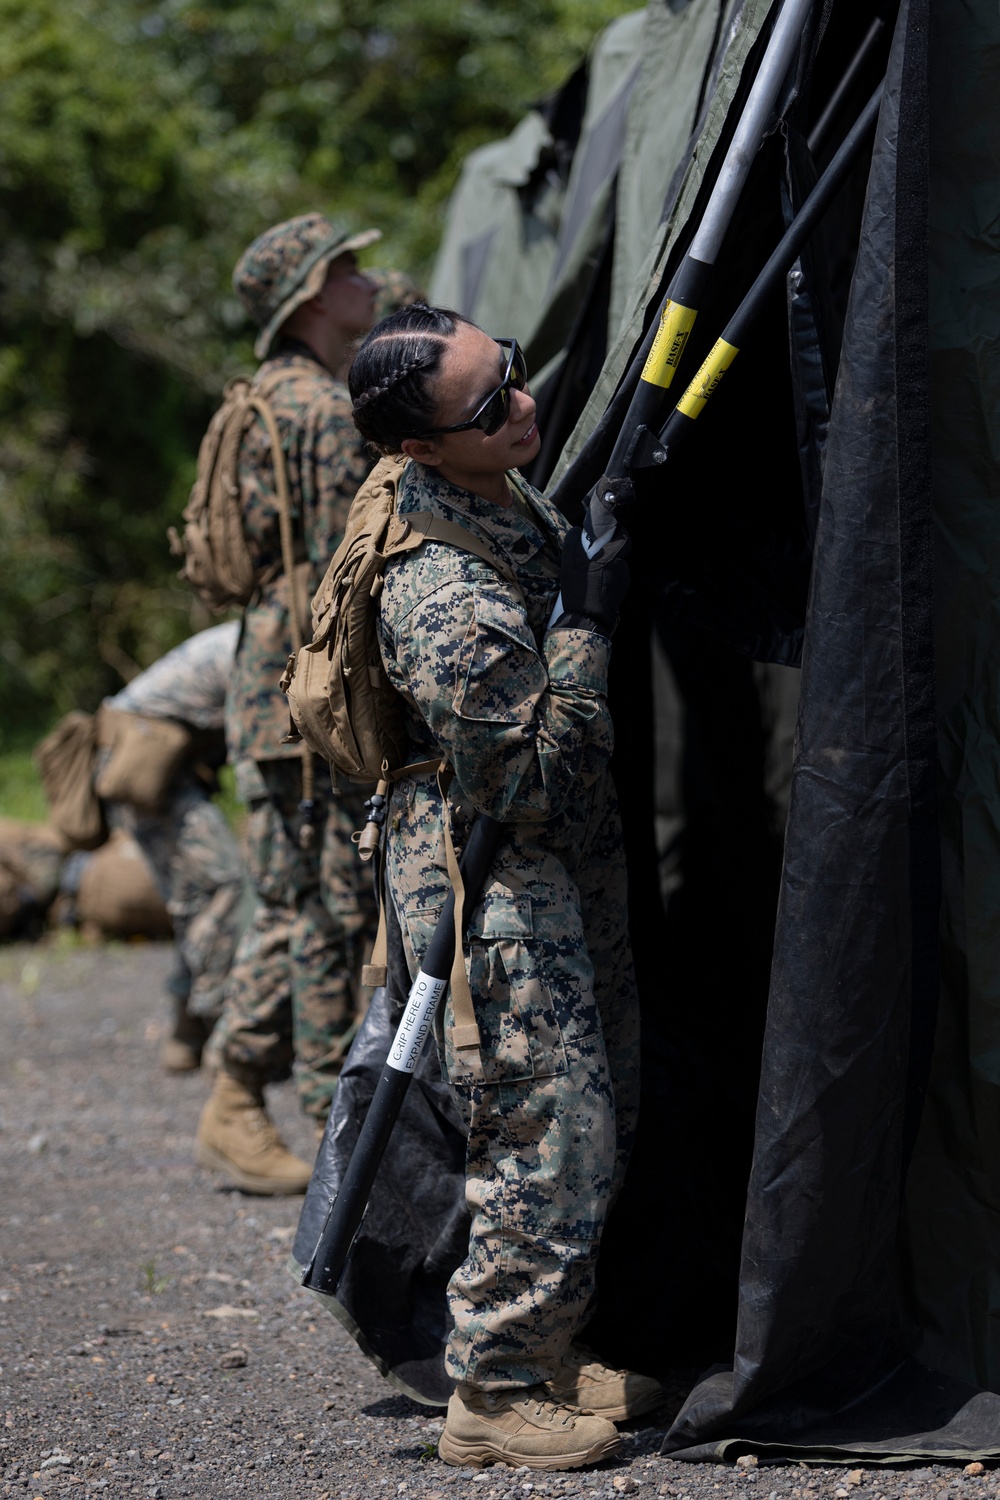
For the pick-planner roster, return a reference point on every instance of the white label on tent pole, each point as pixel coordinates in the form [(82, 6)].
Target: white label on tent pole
[(414, 1028)]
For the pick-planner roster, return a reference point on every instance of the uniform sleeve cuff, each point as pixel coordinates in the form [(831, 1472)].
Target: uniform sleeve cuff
[(580, 657)]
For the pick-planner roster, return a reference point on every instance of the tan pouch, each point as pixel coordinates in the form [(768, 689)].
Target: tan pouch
[(146, 754), (65, 761)]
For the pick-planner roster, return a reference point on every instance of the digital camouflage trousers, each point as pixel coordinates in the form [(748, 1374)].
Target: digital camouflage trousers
[(294, 999), (551, 1096), (199, 871)]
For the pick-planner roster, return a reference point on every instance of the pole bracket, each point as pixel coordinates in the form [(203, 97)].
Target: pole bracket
[(645, 451)]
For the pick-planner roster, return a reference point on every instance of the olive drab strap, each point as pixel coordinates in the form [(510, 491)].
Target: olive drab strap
[(260, 403), (465, 1031), (375, 973)]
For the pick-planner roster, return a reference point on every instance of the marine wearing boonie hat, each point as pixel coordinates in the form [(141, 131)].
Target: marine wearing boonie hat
[(292, 999), (286, 265)]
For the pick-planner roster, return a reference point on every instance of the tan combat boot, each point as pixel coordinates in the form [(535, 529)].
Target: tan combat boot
[(521, 1428), (236, 1137), (586, 1384)]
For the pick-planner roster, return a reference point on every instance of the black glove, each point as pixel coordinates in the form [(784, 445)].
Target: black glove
[(593, 588), (610, 500)]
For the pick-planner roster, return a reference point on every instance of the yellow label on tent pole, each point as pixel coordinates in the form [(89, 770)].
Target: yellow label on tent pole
[(720, 357), (676, 322)]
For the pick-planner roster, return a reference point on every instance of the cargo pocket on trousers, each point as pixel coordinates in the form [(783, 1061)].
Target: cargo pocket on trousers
[(519, 1036)]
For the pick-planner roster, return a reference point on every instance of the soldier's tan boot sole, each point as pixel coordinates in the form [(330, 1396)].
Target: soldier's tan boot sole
[(270, 1186), (521, 1428), (469, 1454), (179, 1057)]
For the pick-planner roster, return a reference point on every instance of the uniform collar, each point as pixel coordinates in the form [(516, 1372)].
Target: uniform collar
[(518, 535), (289, 347)]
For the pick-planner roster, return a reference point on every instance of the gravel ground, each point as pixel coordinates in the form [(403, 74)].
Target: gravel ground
[(152, 1342)]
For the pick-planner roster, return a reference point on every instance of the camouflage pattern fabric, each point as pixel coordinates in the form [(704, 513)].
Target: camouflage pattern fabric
[(286, 265), (294, 987), (188, 683), (327, 462), (199, 871), (551, 1096)]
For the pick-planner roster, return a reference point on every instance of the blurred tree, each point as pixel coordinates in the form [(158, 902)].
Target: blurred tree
[(142, 146)]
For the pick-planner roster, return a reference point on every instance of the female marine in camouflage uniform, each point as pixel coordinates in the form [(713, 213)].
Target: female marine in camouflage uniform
[(519, 712)]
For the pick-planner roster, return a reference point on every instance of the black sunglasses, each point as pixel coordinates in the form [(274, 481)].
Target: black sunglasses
[(495, 410)]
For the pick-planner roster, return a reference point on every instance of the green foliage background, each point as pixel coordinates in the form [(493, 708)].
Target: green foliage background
[(142, 146)]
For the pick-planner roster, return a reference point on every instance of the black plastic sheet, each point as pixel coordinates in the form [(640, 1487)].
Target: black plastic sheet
[(391, 1297)]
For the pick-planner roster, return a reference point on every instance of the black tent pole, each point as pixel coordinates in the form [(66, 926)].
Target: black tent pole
[(687, 287), (725, 349), (821, 129), (617, 415), (347, 1209)]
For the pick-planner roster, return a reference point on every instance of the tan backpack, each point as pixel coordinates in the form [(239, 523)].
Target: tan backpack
[(341, 701), (217, 560)]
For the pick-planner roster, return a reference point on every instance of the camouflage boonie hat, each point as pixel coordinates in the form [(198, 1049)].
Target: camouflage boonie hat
[(286, 265)]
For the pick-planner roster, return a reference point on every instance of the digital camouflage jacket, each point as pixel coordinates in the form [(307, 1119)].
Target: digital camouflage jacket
[(327, 462), (518, 711)]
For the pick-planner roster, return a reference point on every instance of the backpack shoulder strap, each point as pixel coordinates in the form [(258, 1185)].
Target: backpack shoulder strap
[(296, 604), (260, 404), (412, 530)]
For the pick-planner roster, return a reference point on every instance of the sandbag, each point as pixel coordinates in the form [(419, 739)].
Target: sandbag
[(118, 894), (65, 761), (146, 754)]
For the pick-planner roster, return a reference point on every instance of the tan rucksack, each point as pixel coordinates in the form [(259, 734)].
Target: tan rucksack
[(217, 560), (218, 563), (341, 701)]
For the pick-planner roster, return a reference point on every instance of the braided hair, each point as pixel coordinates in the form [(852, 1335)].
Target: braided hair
[(392, 375)]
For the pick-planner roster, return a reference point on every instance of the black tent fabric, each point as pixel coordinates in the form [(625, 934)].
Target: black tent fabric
[(952, 1209), (823, 1360)]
